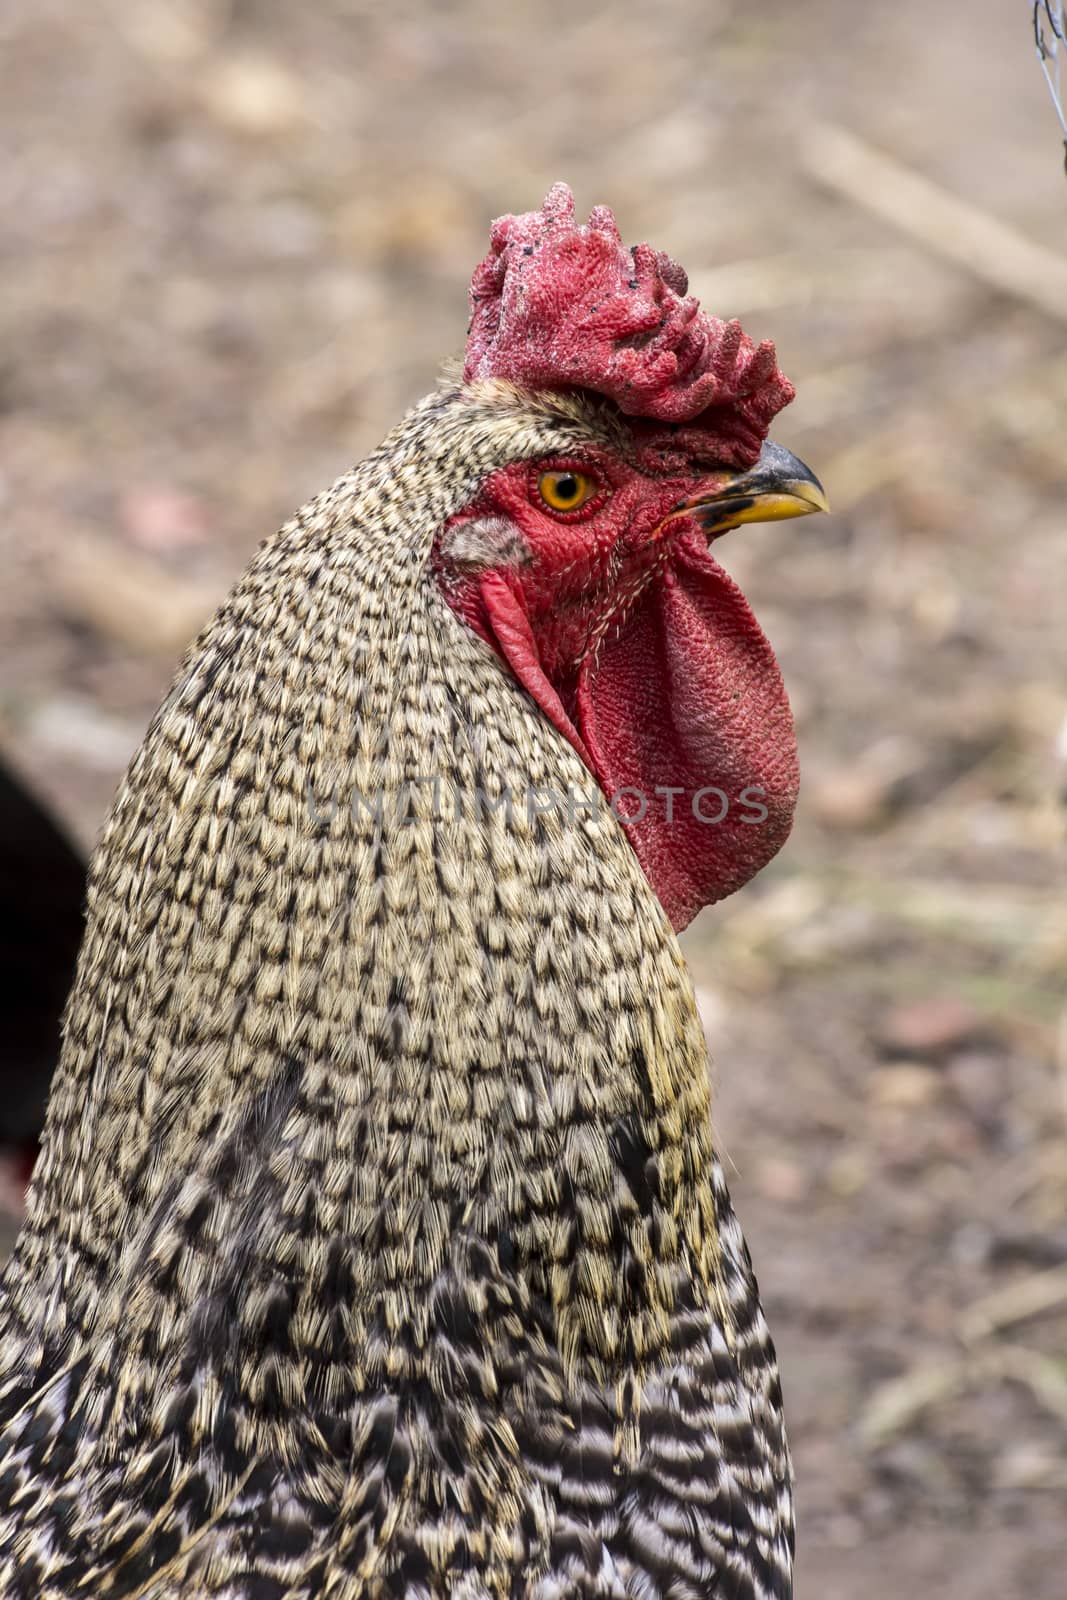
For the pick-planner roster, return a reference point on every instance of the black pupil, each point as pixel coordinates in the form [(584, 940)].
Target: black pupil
[(567, 486)]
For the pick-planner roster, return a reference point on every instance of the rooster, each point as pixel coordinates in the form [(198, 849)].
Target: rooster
[(378, 1246)]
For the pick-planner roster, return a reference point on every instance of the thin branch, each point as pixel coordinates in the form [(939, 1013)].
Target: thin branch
[(1028, 1297), (990, 250)]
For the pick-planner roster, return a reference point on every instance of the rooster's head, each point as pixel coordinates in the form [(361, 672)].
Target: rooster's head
[(589, 569)]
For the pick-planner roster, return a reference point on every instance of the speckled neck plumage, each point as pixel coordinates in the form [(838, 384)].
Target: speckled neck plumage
[(378, 1173)]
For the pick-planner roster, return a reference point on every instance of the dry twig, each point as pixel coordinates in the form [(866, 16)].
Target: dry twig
[(894, 1406), (1028, 1297), (129, 598), (984, 246)]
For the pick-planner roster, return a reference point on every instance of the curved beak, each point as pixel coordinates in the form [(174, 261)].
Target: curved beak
[(778, 486)]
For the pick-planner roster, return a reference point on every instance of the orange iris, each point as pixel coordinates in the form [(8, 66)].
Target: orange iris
[(565, 489)]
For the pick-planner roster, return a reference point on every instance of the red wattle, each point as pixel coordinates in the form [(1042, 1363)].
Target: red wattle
[(513, 637), (684, 708), (688, 696)]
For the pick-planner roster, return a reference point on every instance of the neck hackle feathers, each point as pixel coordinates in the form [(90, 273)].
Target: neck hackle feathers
[(558, 304)]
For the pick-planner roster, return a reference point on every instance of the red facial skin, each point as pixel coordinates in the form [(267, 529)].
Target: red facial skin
[(644, 654)]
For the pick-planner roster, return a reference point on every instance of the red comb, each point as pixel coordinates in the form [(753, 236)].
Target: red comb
[(559, 305)]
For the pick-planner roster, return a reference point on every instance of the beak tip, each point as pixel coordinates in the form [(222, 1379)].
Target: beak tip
[(811, 492), (779, 486)]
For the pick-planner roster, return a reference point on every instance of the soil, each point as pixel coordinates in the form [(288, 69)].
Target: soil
[(236, 243)]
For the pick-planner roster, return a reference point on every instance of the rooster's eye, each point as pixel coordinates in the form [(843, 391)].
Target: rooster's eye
[(565, 489)]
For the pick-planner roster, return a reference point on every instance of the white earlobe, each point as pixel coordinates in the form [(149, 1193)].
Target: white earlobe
[(482, 542)]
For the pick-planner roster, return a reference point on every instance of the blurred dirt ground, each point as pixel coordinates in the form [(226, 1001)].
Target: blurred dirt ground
[(235, 244)]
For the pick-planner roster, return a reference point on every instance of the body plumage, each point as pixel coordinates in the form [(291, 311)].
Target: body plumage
[(378, 1245)]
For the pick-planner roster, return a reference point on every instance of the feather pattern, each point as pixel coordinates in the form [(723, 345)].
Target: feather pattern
[(378, 1246)]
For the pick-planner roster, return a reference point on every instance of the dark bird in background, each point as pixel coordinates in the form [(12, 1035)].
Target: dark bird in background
[(378, 1245), (42, 891)]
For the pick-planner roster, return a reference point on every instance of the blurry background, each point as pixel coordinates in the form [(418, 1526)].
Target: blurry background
[(235, 243)]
